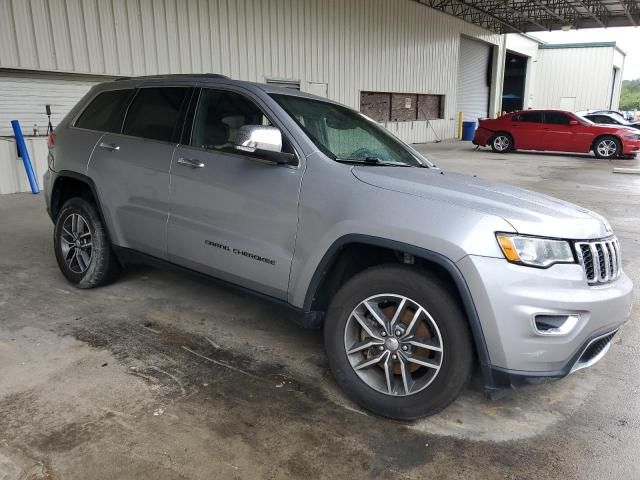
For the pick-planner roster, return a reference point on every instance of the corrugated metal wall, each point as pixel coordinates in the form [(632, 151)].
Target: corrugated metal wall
[(12, 175), (583, 73), (473, 91), (352, 45), (23, 96)]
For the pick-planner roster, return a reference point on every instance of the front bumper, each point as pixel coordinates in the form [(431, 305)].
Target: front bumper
[(508, 297), (630, 147)]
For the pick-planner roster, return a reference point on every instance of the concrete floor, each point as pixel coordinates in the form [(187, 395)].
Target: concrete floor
[(163, 375)]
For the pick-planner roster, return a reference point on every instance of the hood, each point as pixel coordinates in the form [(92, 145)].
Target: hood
[(528, 212), (609, 128)]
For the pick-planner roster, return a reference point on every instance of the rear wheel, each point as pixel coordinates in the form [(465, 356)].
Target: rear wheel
[(607, 147), (398, 342), (82, 247), (501, 143)]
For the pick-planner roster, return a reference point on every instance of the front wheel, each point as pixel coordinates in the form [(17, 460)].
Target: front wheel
[(607, 147), (398, 342), (502, 143)]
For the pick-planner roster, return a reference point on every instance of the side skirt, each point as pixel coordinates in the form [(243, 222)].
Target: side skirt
[(127, 256)]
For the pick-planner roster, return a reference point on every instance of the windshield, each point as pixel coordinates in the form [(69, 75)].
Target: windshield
[(346, 135), (584, 120), (622, 121)]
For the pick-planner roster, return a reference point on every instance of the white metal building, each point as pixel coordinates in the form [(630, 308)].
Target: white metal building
[(579, 76), (339, 47), (410, 64)]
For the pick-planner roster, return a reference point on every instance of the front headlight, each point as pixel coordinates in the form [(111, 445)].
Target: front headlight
[(632, 136), (533, 251)]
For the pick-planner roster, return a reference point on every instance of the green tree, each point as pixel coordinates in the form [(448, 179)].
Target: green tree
[(630, 95)]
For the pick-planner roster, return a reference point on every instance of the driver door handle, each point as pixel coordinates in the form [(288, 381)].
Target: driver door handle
[(112, 147), (190, 162)]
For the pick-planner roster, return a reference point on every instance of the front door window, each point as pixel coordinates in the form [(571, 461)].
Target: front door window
[(220, 116)]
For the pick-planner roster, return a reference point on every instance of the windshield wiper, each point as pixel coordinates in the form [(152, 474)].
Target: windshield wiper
[(371, 161)]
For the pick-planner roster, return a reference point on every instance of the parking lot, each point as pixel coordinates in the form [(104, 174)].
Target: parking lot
[(166, 375)]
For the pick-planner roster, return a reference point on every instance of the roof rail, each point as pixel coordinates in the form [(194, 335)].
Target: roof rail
[(175, 75)]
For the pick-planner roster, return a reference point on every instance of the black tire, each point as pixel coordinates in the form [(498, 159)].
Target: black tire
[(613, 144), (457, 356), (103, 266), (501, 142)]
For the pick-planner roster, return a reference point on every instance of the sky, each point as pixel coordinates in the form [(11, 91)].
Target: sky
[(627, 38)]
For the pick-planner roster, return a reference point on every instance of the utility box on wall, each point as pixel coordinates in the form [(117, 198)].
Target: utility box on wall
[(404, 107), (430, 107), (376, 105), (401, 107)]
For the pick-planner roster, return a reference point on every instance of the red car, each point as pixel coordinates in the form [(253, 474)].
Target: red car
[(556, 130)]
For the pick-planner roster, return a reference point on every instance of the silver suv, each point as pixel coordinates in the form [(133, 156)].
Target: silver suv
[(415, 274)]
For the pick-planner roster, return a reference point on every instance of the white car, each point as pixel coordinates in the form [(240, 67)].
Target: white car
[(608, 117)]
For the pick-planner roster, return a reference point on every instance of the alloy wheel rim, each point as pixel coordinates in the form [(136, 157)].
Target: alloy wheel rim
[(393, 344), (607, 148), (76, 242), (501, 143)]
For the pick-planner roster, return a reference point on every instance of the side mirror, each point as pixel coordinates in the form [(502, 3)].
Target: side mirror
[(573, 122), (264, 143)]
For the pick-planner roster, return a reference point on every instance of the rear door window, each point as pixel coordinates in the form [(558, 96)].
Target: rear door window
[(556, 118), (529, 117), (106, 111), (155, 113)]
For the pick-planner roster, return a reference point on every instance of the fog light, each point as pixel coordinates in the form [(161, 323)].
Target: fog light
[(557, 325)]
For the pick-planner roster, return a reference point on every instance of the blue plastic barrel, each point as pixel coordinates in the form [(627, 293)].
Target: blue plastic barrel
[(468, 130)]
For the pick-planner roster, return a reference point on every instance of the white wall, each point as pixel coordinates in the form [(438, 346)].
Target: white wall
[(618, 58), (377, 45), (583, 73), (24, 95), (13, 178), (618, 62), (352, 46)]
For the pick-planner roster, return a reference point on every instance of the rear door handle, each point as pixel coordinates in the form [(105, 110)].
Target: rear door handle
[(112, 147), (190, 162)]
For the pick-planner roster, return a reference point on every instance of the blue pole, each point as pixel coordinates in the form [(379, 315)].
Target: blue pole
[(24, 153)]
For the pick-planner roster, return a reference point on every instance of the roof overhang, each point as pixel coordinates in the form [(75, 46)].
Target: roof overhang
[(521, 16)]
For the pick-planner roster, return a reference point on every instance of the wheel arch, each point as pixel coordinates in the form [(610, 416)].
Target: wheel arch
[(503, 132), (328, 277), (603, 135), (70, 184)]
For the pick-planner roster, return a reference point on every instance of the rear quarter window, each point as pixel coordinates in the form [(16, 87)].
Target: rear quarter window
[(106, 111), (530, 117)]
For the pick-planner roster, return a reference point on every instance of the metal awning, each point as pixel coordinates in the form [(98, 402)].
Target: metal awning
[(509, 16)]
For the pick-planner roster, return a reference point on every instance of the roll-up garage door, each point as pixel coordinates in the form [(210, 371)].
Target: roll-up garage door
[(23, 97), (473, 79)]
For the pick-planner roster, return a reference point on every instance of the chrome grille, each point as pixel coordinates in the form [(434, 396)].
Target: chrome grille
[(600, 260)]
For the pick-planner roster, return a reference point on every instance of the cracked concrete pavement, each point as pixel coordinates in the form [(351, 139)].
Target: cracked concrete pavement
[(166, 375)]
